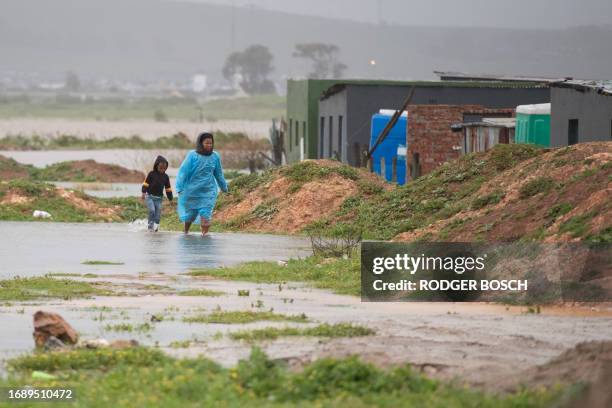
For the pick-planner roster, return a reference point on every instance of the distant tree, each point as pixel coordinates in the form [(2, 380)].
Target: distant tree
[(253, 65), (324, 58), (72, 82)]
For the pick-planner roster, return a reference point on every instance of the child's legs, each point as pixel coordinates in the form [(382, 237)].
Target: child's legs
[(158, 210), (151, 207)]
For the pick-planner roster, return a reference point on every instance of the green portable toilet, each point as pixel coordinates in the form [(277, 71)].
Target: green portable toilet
[(533, 124)]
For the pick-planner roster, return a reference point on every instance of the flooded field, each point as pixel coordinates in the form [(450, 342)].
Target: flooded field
[(148, 130), (480, 343), (63, 247), (141, 160)]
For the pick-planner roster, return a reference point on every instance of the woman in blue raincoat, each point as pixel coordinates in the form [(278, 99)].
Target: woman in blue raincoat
[(198, 181)]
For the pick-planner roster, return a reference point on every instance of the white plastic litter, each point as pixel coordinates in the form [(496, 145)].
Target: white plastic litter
[(281, 263), (538, 109), (41, 214)]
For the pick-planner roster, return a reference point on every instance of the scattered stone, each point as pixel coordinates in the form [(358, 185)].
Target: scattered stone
[(53, 343), (94, 344), (123, 344), (41, 214), (48, 324)]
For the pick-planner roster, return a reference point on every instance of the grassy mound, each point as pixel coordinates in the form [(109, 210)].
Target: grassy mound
[(20, 198), (512, 192)]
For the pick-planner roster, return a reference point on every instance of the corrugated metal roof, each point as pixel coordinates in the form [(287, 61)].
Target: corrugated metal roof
[(489, 122), (599, 86), (341, 85), (462, 76)]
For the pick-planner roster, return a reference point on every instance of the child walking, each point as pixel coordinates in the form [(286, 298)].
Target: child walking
[(153, 191)]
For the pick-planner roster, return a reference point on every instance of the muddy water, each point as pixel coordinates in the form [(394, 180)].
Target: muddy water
[(147, 129), (38, 248), (105, 190), (480, 343)]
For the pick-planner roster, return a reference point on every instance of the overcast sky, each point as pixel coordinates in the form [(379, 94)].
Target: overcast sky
[(488, 13)]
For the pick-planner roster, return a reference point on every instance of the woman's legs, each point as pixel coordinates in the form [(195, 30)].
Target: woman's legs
[(187, 226), (204, 225)]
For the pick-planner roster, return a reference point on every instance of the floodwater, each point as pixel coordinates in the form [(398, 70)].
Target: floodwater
[(147, 129), (37, 248), (105, 190)]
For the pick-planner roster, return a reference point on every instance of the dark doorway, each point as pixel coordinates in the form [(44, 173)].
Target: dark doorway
[(572, 132), (340, 138), (321, 137)]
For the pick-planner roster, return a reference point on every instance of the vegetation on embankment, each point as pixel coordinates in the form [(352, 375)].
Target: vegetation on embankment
[(509, 193), (76, 171), (148, 377), (70, 142), (20, 198)]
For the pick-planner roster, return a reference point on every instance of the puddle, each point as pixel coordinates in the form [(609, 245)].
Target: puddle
[(105, 190), (37, 248)]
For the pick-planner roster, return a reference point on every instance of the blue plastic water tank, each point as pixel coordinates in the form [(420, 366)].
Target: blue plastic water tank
[(387, 150)]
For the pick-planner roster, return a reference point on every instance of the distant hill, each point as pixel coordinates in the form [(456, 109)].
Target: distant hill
[(147, 39)]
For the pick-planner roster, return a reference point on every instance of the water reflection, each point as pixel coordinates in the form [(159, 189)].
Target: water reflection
[(37, 248)]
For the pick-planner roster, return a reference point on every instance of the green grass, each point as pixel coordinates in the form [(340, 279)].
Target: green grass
[(536, 186), (129, 328), (340, 275), (201, 292), (241, 317), (444, 192), (142, 377), (323, 330), (43, 196), (578, 225), (262, 107), (489, 199), (101, 263), (45, 287)]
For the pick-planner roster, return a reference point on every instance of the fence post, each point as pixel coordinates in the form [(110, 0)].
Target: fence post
[(369, 164), (394, 169), (383, 167)]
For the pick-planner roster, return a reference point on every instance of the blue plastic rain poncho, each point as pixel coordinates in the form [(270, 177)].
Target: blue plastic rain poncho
[(198, 181)]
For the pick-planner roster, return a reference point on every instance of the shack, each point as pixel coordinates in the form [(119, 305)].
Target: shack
[(581, 111), (345, 109)]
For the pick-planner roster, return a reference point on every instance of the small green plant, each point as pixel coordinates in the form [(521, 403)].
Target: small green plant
[(489, 199), (201, 292), (127, 327), (323, 330), (244, 292), (536, 186), (101, 263), (558, 210), (241, 317)]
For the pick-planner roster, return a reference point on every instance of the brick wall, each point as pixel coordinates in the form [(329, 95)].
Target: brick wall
[(430, 136)]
